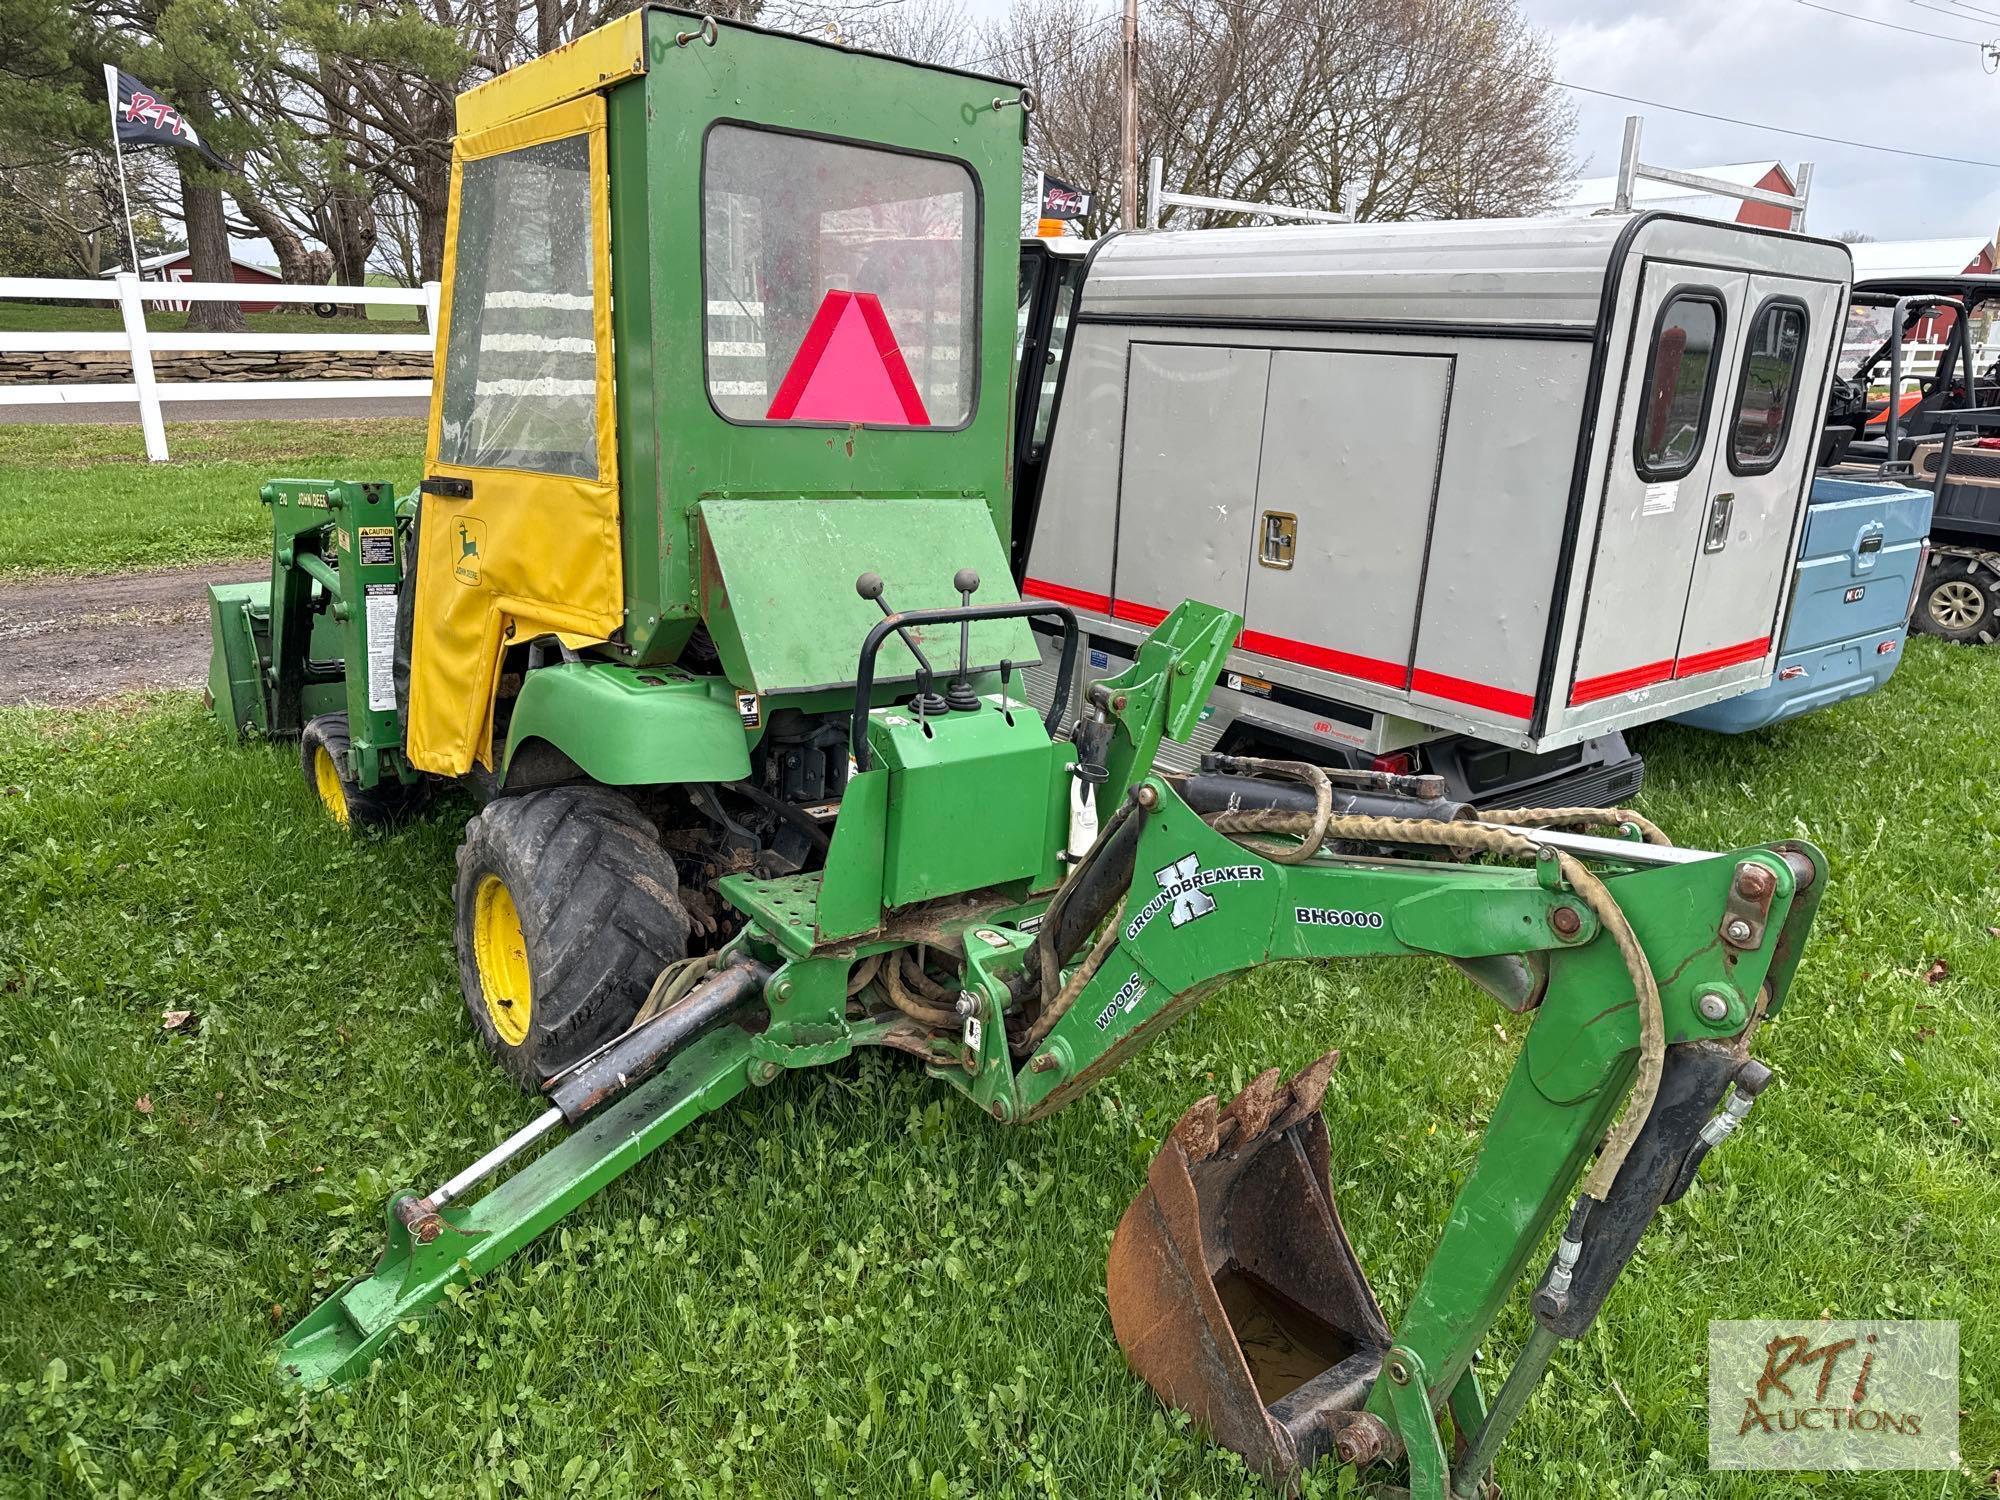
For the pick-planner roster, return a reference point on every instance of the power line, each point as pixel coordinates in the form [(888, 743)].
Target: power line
[(1956, 16), (1804, 135), (1991, 15), (1935, 36)]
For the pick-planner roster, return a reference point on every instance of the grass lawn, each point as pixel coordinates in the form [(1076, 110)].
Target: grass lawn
[(849, 1282), (35, 317), (81, 498)]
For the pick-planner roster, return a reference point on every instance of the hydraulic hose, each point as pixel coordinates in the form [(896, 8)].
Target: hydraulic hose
[(1486, 838)]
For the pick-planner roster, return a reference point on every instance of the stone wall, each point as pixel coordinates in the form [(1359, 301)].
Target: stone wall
[(211, 364)]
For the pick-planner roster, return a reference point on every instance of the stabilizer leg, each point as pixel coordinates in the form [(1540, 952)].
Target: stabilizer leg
[(336, 1341)]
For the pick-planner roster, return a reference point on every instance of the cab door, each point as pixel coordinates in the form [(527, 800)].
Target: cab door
[(1767, 432), (519, 522), (1664, 455)]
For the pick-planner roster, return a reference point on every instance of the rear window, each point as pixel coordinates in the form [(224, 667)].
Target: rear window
[(841, 282), (1770, 386), (1679, 379)]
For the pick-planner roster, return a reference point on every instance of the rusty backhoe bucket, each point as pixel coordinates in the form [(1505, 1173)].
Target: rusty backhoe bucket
[(1234, 1291)]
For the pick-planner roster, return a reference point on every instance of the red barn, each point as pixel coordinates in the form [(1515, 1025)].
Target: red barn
[(175, 265)]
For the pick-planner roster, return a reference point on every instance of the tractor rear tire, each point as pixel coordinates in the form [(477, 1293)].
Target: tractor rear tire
[(567, 910), (323, 751)]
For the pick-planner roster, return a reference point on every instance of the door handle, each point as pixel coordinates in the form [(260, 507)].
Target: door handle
[(1720, 510), (447, 487), (1277, 539)]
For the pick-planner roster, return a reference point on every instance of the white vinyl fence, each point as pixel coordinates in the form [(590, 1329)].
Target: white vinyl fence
[(1920, 361), (137, 341)]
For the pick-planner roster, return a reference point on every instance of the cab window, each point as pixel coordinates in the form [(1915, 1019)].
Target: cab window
[(1680, 375), (520, 365), (1769, 388), (1052, 360), (840, 282)]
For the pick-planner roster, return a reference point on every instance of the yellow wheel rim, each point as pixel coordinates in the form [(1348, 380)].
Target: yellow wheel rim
[(500, 953), (326, 781)]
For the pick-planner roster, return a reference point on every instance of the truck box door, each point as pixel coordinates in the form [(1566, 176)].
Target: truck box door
[(1345, 490), (1194, 419), (1662, 457), (1765, 430)]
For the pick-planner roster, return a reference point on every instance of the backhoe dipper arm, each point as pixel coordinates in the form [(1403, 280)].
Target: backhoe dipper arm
[(1721, 930)]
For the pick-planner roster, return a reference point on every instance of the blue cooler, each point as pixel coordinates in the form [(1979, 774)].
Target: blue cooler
[(1859, 561)]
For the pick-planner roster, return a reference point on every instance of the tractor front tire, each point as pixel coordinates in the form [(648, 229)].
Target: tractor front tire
[(323, 751), (567, 910), (1959, 600)]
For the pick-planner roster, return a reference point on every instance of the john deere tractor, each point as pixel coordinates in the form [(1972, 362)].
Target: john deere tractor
[(704, 597)]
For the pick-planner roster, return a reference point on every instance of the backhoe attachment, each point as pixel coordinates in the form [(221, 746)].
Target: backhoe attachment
[(946, 926), (1234, 1291)]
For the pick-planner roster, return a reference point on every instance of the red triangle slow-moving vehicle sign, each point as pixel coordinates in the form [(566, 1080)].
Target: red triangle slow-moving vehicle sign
[(849, 369)]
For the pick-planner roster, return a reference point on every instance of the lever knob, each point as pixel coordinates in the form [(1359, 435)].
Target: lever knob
[(966, 581), (869, 585)]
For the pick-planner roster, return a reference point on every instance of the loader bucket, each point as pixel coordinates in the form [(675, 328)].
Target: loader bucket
[(1234, 1291), (235, 662)]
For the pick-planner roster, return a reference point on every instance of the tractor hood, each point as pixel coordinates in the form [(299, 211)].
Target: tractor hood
[(777, 586)]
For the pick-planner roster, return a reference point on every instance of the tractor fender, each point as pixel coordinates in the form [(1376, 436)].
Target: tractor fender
[(632, 726)]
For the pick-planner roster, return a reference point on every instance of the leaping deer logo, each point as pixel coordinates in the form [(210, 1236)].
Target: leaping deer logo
[(470, 534)]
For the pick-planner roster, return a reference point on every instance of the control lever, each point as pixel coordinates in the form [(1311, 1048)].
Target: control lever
[(960, 697), (927, 701), (1006, 676)]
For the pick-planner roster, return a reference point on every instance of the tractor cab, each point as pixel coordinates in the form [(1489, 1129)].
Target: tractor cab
[(723, 330), (616, 461)]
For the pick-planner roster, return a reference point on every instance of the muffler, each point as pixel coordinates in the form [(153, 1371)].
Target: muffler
[(1234, 1291)]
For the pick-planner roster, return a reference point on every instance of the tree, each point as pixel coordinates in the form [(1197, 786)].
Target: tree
[(61, 212), (1399, 109)]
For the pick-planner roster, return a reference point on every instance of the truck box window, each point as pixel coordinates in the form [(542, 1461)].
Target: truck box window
[(1769, 388), (1679, 379), (520, 365), (841, 282)]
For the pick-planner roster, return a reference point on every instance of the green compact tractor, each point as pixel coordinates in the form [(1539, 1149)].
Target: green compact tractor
[(705, 598)]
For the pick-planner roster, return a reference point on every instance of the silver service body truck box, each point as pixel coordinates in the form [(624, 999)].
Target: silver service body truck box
[(1532, 481)]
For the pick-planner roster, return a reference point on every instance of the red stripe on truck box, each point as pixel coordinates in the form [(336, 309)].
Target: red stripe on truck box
[(1304, 653), (1477, 694), (1369, 669), (1139, 614), (1630, 680), (1062, 593), (1722, 656), (1611, 684)]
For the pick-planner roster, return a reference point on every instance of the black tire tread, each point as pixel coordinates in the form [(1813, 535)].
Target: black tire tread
[(599, 902), (1979, 573), (378, 806)]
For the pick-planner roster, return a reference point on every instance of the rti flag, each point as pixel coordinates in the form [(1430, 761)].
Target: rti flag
[(1063, 200), (142, 117)]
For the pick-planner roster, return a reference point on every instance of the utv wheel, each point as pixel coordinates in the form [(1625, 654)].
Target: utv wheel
[(323, 758), (568, 908), (1958, 602)]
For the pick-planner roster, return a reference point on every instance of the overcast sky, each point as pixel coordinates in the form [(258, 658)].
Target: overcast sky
[(1779, 62)]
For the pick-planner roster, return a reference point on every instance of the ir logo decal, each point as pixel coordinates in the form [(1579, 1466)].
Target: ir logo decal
[(1184, 887)]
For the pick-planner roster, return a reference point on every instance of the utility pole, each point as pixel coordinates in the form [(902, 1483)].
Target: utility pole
[(1128, 124)]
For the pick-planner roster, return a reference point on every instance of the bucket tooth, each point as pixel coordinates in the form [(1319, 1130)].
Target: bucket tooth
[(1234, 1291)]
